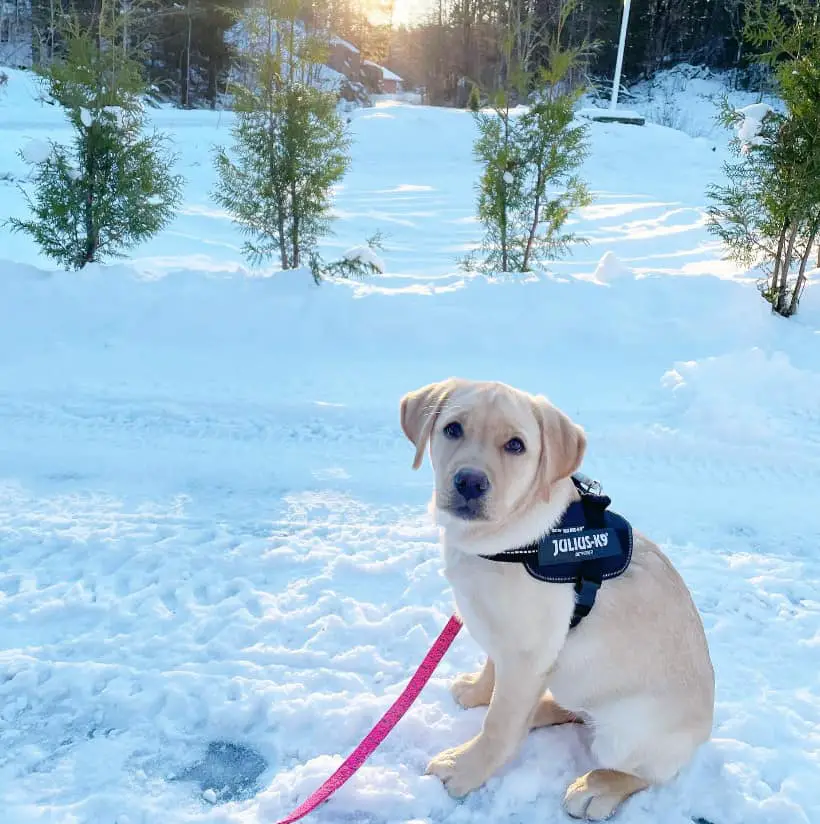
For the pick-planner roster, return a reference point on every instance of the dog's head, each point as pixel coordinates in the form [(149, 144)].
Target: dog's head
[(495, 450)]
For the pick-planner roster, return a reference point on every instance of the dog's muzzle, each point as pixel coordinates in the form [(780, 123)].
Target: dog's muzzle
[(468, 495)]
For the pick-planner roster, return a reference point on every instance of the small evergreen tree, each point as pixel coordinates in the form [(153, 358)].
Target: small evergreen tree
[(768, 211), (474, 100), (291, 145), (113, 187), (529, 184)]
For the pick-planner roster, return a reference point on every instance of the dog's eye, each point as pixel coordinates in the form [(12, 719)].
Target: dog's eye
[(514, 446), (453, 430)]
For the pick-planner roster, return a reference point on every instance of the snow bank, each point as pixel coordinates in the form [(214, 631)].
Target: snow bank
[(687, 97)]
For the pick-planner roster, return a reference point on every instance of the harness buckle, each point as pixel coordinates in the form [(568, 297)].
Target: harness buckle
[(586, 484), (586, 591)]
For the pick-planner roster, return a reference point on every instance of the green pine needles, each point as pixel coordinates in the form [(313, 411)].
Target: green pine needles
[(767, 213), (291, 145), (529, 184), (112, 188)]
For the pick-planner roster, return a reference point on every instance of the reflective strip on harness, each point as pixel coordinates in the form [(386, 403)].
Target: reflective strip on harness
[(588, 546)]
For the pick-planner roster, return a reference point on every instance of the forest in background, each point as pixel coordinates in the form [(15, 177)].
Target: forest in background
[(189, 51)]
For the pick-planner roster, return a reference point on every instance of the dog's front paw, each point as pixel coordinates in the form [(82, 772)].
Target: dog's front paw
[(461, 769), (471, 690)]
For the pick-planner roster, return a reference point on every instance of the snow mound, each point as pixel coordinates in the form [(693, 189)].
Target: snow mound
[(610, 268), (366, 255), (744, 396)]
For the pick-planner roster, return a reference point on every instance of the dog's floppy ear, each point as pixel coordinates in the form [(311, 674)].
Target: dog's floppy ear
[(419, 410), (563, 444)]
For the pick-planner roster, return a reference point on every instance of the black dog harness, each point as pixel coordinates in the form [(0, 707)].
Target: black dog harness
[(588, 545)]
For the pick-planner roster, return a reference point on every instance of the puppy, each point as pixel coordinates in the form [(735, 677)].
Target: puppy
[(636, 669)]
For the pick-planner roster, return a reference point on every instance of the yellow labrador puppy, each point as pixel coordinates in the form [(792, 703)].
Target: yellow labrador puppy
[(636, 669)]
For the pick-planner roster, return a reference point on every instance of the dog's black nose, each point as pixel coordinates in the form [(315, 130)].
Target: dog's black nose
[(471, 484)]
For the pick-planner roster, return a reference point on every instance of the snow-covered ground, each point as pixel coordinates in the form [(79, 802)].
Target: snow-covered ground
[(216, 567), (685, 98)]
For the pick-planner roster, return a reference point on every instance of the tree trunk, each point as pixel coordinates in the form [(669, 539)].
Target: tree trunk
[(535, 217), (92, 240), (503, 221), (283, 243), (778, 259), (294, 228), (212, 73), (801, 277), (186, 89), (784, 273)]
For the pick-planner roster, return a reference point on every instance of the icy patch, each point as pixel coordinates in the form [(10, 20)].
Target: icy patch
[(228, 772)]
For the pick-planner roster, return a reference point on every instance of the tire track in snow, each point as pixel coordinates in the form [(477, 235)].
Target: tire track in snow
[(618, 440)]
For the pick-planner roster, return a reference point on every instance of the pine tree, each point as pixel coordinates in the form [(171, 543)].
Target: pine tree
[(474, 100), (768, 211), (112, 188), (529, 185), (291, 145)]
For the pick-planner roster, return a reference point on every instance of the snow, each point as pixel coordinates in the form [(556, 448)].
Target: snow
[(686, 98), (388, 75), (597, 112), (86, 118), (246, 37), (216, 566), (366, 255), (748, 130), (610, 268), (36, 152), (338, 41)]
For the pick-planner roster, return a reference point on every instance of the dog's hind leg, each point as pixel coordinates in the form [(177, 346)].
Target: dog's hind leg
[(639, 749), (549, 713), (596, 795), (475, 689)]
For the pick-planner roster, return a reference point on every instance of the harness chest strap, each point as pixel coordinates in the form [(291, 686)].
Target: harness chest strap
[(588, 545)]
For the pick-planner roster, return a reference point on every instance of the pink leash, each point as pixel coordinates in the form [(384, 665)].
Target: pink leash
[(382, 729)]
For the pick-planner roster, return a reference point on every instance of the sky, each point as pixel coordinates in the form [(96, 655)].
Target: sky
[(405, 11)]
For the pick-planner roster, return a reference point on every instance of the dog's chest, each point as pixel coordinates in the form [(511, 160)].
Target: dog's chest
[(501, 606)]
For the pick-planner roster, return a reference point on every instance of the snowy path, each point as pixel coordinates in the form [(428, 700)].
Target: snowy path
[(213, 582), (138, 637)]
